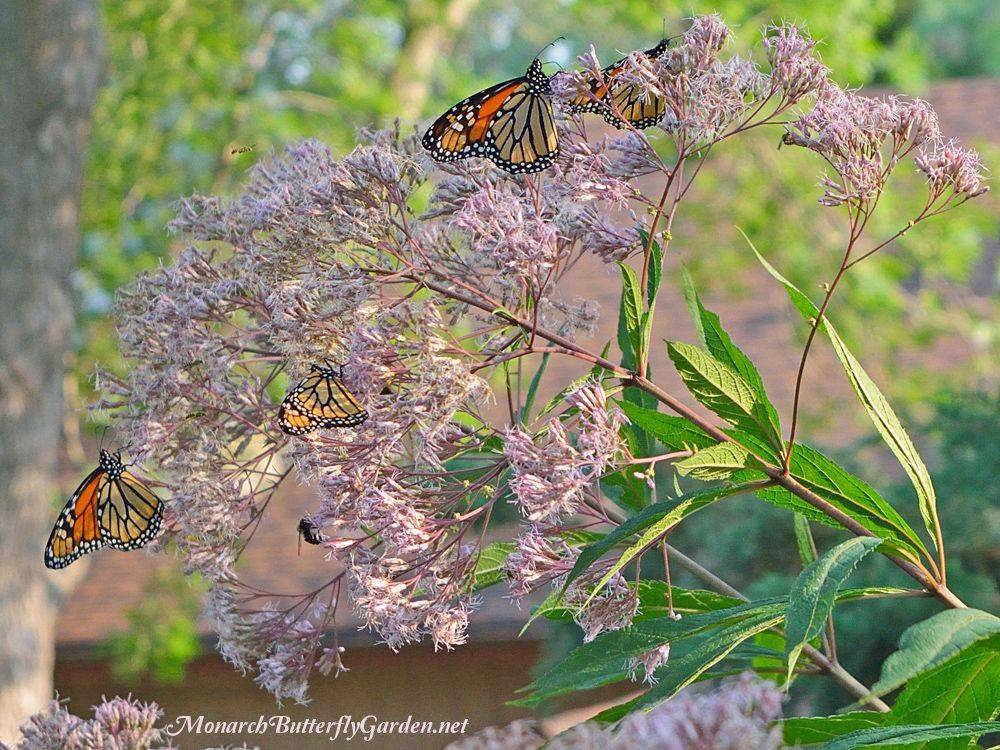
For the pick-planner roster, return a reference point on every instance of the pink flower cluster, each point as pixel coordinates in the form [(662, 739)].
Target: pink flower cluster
[(119, 723), (738, 715), (439, 314)]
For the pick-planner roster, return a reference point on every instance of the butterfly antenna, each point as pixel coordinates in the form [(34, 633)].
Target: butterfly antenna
[(557, 39), (100, 444), (125, 449), (335, 366), (666, 38)]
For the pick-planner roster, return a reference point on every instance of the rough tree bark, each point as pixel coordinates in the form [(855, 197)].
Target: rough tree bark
[(51, 60)]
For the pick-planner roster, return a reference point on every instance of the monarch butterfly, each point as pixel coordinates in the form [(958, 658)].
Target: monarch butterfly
[(509, 123), (319, 400), (111, 507), (636, 105)]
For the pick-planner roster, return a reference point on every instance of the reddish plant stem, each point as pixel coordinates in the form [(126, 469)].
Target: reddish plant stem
[(805, 356), (642, 357)]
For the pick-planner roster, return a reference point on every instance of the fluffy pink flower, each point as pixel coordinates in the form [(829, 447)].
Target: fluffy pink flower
[(649, 662), (537, 560), (949, 167), (795, 67)]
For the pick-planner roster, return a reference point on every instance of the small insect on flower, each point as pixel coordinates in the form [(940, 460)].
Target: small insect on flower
[(243, 149), (509, 123), (308, 531), (111, 507), (319, 400)]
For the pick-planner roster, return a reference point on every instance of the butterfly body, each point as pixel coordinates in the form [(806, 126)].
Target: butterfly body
[(637, 106), (509, 123), (110, 508), (319, 400)]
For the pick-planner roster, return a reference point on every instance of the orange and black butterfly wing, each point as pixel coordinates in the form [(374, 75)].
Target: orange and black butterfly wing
[(293, 416), (596, 101), (461, 131), (129, 512), (510, 123), (76, 531), (522, 136), (320, 400), (636, 105)]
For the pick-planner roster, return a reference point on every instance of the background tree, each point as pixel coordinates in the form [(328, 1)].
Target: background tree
[(50, 63)]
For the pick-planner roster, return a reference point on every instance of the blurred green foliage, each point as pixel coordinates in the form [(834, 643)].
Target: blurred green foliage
[(196, 93), (190, 85), (916, 294), (161, 637)]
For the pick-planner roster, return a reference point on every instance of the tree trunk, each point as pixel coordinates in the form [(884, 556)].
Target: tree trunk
[(50, 65), (430, 34)]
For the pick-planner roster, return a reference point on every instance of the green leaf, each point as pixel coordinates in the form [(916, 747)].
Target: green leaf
[(655, 270), (906, 735), (870, 592), (651, 522), (652, 602), (631, 307), (812, 596), (551, 608), (713, 647), (645, 330), (686, 505), (529, 399), (603, 660), (625, 490), (803, 539), (724, 391), (811, 730), (718, 342), (965, 688), (735, 663), (489, 567), (847, 493), (674, 433), (717, 461), (932, 642), (579, 537), (878, 408)]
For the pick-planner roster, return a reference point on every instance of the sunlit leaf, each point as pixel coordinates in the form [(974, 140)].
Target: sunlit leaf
[(907, 735), (489, 568), (723, 390), (719, 343), (811, 730), (717, 461), (965, 688), (932, 642)]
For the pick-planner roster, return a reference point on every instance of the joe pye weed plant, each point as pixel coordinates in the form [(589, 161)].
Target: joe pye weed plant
[(441, 290)]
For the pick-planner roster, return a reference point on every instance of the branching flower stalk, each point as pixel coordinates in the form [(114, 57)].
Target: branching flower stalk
[(437, 287)]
